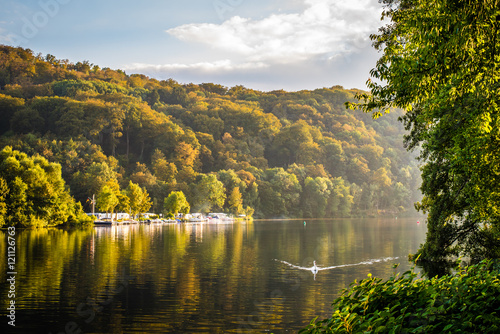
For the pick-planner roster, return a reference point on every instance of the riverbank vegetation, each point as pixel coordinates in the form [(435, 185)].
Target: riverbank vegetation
[(33, 193), (466, 302), (234, 150)]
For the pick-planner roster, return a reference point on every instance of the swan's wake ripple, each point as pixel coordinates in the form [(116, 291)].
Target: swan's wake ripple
[(316, 268)]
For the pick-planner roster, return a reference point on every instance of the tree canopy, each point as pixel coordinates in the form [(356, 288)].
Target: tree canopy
[(176, 202), (33, 192), (440, 63)]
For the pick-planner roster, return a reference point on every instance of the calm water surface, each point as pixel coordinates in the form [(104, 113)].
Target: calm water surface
[(196, 278)]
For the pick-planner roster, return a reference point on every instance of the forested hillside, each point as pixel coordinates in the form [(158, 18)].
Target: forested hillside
[(270, 154)]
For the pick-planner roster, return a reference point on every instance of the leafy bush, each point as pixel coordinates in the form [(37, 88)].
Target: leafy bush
[(466, 302)]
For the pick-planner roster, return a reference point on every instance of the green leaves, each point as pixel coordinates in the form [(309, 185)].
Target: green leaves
[(209, 193), (107, 199), (463, 303), (176, 202), (139, 200), (32, 192)]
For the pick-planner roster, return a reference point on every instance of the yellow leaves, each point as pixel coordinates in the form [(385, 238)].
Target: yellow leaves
[(381, 178), (185, 154), (486, 123)]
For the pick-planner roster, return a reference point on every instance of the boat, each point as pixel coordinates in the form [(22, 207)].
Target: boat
[(105, 222), (219, 217), (195, 217)]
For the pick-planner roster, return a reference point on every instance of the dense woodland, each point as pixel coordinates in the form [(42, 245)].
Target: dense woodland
[(237, 150)]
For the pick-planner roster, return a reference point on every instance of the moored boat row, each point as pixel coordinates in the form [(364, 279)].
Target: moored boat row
[(123, 219)]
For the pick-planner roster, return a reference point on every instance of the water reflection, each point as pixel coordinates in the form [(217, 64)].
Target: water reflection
[(211, 278)]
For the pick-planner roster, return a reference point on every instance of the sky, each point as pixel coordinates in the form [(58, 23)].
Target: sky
[(263, 45)]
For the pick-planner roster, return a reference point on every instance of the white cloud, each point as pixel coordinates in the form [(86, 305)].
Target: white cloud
[(326, 28), (202, 67), (5, 36), (325, 44)]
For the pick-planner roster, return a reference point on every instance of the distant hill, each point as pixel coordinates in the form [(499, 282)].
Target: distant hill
[(237, 150)]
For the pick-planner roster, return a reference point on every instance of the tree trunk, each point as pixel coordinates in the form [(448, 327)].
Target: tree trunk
[(128, 144)]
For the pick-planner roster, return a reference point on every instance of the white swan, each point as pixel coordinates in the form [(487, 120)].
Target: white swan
[(314, 268)]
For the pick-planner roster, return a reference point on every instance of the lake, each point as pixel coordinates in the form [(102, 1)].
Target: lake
[(196, 278)]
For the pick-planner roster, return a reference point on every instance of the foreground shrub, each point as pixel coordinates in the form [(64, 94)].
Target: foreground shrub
[(467, 302)]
